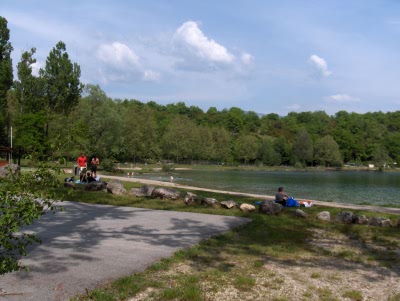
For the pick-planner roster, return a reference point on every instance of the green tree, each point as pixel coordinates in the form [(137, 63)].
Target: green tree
[(269, 155), (303, 146), (327, 152), (381, 157), (62, 82), (246, 147), (24, 199), (6, 78), (222, 144)]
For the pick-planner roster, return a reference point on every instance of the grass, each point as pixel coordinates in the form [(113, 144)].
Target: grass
[(353, 295), (240, 257)]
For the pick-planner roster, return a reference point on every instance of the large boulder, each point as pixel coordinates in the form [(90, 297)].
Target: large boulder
[(361, 220), (247, 207), (95, 186), (144, 191), (70, 185), (210, 202), (165, 193), (300, 213), (116, 187), (9, 168), (324, 216), (345, 217), (229, 204), (270, 207), (190, 198), (380, 222)]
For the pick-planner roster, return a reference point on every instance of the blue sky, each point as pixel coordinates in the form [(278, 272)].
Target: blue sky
[(263, 56)]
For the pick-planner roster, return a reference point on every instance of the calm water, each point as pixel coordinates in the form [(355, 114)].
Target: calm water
[(346, 187)]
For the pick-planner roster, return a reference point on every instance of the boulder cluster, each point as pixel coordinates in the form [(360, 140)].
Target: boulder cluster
[(268, 207)]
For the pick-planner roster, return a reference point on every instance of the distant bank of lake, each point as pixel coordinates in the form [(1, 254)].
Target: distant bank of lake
[(345, 187)]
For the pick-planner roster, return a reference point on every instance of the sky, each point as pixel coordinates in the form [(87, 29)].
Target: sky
[(263, 56)]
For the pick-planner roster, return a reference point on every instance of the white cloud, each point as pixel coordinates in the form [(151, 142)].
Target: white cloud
[(247, 58), (320, 65), (118, 55), (36, 67), (150, 75), (341, 98), (293, 107), (190, 36)]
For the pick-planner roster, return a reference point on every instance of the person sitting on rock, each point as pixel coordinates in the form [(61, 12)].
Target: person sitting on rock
[(90, 178), (281, 197)]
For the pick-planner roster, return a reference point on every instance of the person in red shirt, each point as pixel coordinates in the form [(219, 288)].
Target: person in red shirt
[(82, 163)]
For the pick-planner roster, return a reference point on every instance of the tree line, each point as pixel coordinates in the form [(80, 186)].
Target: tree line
[(54, 115)]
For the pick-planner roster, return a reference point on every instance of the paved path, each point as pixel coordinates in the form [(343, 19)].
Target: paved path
[(258, 196), (87, 245)]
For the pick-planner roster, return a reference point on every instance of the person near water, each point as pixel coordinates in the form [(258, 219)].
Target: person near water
[(281, 197), (82, 165), (95, 161)]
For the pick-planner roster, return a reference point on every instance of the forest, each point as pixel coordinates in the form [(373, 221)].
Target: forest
[(53, 115)]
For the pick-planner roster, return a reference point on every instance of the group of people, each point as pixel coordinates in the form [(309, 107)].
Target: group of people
[(84, 174)]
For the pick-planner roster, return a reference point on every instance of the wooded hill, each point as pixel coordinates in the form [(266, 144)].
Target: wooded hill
[(53, 115)]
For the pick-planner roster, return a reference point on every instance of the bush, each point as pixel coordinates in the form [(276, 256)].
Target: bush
[(108, 165), (167, 167), (24, 198)]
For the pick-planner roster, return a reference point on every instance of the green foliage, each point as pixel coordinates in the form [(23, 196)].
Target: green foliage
[(24, 198), (327, 152), (167, 167), (108, 165)]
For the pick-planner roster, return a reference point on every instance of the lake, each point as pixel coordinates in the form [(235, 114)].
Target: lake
[(345, 187)]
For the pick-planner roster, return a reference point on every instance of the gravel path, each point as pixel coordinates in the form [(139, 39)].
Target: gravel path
[(258, 196)]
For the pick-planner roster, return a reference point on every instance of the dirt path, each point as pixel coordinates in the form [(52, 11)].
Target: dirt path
[(258, 196)]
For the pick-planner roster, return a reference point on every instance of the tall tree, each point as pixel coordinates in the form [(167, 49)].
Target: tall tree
[(62, 82), (303, 146), (246, 148), (6, 77), (327, 152)]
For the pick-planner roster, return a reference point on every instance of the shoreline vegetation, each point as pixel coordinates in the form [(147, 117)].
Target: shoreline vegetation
[(272, 258)]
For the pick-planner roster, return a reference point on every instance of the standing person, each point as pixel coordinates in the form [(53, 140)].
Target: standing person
[(281, 197), (95, 161), (82, 164)]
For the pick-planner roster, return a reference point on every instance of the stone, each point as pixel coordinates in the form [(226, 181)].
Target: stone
[(147, 190), (361, 220), (70, 185), (324, 216), (210, 202), (386, 223), (247, 207), (136, 192), (165, 193), (190, 198), (376, 221), (9, 168), (116, 187), (270, 207), (300, 213), (95, 186), (229, 204), (345, 217)]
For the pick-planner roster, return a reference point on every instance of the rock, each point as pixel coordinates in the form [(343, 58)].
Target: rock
[(116, 187), (9, 168), (324, 216), (345, 217), (95, 186), (70, 185), (190, 198), (300, 213), (247, 207), (361, 220), (228, 204), (376, 221), (147, 190), (165, 193), (386, 223), (270, 207), (210, 202)]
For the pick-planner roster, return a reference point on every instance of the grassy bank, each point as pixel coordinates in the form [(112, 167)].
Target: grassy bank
[(272, 258)]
